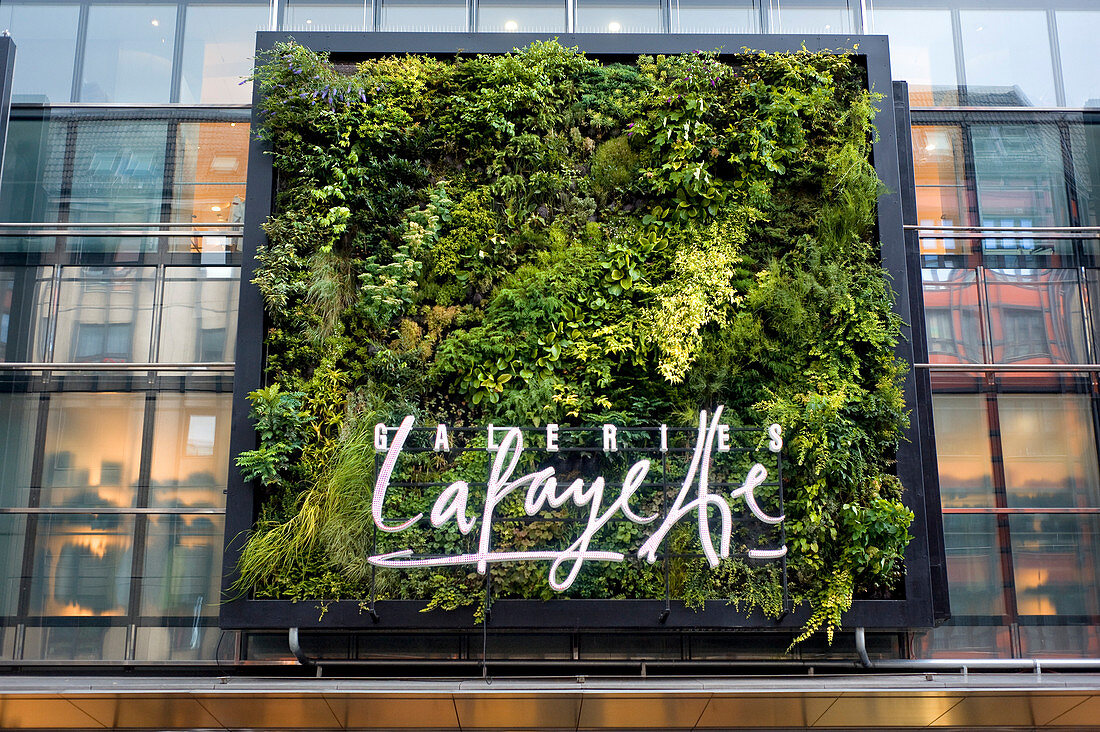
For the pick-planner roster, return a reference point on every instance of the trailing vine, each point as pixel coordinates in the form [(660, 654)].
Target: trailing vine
[(536, 237)]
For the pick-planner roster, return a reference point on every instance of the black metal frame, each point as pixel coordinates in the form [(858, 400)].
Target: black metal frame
[(925, 590)]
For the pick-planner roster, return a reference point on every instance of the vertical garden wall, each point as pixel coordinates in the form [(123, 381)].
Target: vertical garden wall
[(538, 237)]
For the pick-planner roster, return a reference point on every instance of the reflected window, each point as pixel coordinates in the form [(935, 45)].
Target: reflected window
[(715, 16), (211, 169), (32, 176), (424, 15), (88, 641), (1085, 146), (1049, 451), (24, 312), (199, 316), (940, 178), (218, 45), (618, 16), (951, 311), (92, 450), (82, 565), (190, 460), (104, 314), (1056, 558), (328, 15), (922, 51), (1007, 57), (12, 530), (973, 565), (810, 16), (1077, 34), (963, 450), (1035, 315), (182, 571), (512, 17), (118, 172), (19, 425), (128, 53), (45, 36)]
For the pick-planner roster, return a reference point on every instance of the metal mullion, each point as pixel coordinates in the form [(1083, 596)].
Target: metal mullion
[(137, 564), (960, 57), (78, 54), (1000, 497), (1056, 58), (376, 18), (30, 535), (176, 82)]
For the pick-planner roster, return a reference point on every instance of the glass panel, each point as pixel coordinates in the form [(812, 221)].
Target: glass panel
[(951, 315), (93, 450), (218, 45), (1049, 450), (82, 565), (614, 16), (118, 175), (211, 168), (105, 314), (328, 15), (715, 16), (18, 425), (1019, 175), (1007, 57), (1077, 34), (1059, 641), (12, 530), (182, 574), (1056, 559), (1085, 144), (922, 51), (963, 450), (940, 185), (423, 15), (193, 642), (45, 36), (75, 642), (1035, 316), (963, 641), (973, 565), (810, 16), (31, 188), (128, 57), (24, 312), (506, 15), (199, 316), (190, 450)]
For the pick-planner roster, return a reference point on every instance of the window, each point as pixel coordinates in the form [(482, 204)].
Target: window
[(618, 16), (128, 54), (328, 15), (46, 40), (715, 16), (512, 17), (218, 45), (424, 15)]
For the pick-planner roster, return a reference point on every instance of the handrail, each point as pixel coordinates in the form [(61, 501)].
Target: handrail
[(137, 233), (118, 224), (115, 366), (922, 227), (1041, 367)]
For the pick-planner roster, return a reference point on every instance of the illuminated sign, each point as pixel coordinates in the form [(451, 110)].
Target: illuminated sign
[(542, 489)]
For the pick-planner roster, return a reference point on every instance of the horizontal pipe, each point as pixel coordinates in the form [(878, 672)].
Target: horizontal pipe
[(1024, 367), (1037, 229), (98, 510), (118, 224), (36, 366)]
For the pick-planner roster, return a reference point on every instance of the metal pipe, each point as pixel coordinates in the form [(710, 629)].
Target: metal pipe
[(861, 648), (1040, 367), (296, 648), (36, 366), (922, 227), (113, 225)]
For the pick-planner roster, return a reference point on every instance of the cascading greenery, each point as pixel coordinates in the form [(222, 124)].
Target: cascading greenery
[(536, 237)]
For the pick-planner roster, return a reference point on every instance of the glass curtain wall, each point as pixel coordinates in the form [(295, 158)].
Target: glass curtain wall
[(155, 282)]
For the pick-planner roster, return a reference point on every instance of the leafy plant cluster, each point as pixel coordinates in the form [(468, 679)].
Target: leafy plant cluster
[(538, 237)]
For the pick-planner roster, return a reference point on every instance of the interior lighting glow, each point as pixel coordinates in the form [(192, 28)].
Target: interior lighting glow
[(511, 25), (215, 208), (614, 26), (156, 22)]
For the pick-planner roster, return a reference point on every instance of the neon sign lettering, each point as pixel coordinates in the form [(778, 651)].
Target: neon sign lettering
[(542, 490)]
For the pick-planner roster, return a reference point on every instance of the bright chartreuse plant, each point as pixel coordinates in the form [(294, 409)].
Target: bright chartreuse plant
[(537, 237)]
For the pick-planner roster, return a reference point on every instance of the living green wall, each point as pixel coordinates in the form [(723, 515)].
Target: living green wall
[(538, 237)]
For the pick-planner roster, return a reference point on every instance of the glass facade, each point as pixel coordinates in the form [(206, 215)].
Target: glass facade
[(121, 209)]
